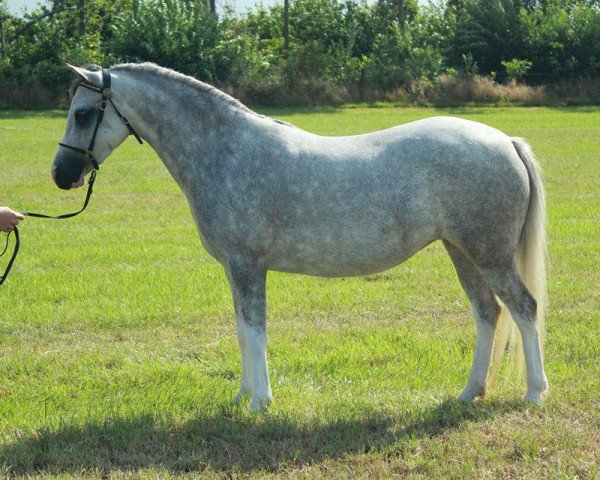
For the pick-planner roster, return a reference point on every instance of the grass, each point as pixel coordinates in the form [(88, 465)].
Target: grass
[(118, 356)]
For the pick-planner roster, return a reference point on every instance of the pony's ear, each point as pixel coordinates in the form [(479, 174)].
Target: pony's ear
[(93, 77)]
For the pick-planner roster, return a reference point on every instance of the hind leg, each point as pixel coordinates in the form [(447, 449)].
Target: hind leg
[(507, 284), (485, 310)]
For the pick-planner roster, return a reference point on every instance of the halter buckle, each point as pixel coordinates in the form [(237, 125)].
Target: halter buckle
[(103, 105)]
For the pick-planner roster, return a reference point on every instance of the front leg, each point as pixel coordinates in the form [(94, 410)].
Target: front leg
[(248, 287)]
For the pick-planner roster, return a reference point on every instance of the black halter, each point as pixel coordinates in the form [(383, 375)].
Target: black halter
[(89, 154), (106, 93)]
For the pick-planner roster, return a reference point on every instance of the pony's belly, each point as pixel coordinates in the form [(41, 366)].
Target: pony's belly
[(335, 269), (343, 259)]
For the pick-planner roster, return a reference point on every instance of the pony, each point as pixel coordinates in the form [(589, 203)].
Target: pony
[(266, 195)]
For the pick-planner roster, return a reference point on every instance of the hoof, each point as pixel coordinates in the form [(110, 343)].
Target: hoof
[(534, 395), (243, 393), (465, 398), (469, 394), (259, 405), (534, 398)]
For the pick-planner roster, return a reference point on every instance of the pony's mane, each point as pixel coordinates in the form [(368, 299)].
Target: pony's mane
[(191, 82), (201, 87)]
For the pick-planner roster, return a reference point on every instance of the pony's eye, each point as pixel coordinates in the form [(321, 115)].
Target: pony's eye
[(82, 115)]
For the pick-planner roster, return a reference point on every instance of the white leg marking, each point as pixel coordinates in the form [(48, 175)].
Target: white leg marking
[(257, 354), (476, 385), (537, 383), (246, 386)]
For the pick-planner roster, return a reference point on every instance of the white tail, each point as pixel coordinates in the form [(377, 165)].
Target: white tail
[(531, 264)]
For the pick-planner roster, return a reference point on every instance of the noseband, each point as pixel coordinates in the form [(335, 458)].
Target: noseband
[(106, 93)]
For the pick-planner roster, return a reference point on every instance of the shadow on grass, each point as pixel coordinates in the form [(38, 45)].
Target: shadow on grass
[(229, 441)]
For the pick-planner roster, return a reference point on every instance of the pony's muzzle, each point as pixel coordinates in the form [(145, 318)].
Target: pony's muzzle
[(68, 171), (53, 173)]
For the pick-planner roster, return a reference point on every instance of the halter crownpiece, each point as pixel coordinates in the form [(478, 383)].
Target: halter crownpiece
[(106, 93)]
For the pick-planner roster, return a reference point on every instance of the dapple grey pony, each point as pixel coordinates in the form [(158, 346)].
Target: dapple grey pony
[(266, 195)]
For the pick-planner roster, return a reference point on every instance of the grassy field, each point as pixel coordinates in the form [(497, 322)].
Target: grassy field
[(118, 356)]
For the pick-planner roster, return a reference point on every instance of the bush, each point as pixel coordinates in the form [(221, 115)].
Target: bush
[(339, 50), (516, 69)]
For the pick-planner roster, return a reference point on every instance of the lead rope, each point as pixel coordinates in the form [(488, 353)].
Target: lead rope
[(41, 215)]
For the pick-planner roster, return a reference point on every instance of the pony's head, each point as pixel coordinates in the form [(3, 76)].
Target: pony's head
[(71, 162)]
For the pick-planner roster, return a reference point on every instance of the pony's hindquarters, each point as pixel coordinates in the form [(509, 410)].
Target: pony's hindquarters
[(531, 266)]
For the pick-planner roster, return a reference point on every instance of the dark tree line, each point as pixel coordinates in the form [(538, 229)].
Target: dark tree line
[(307, 44)]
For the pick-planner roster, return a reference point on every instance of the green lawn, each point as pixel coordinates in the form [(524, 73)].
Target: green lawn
[(118, 356)]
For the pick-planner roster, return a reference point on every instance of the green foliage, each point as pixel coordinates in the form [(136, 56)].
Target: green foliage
[(470, 66), (516, 69), (38, 45), (184, 36), (559, 37), (372, 48), (488, 30)]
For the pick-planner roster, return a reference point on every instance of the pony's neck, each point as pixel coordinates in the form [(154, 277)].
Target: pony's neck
[(185, 123)]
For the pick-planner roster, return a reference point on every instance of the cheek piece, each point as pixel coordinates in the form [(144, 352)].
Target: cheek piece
[(106, 93), (89, 155)]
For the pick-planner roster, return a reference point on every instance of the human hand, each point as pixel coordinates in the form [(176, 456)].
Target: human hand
[(9, 219)]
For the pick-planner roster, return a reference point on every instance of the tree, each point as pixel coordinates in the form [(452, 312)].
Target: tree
[(400, 11), (286, 26), (3, 16), (212, 7)]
